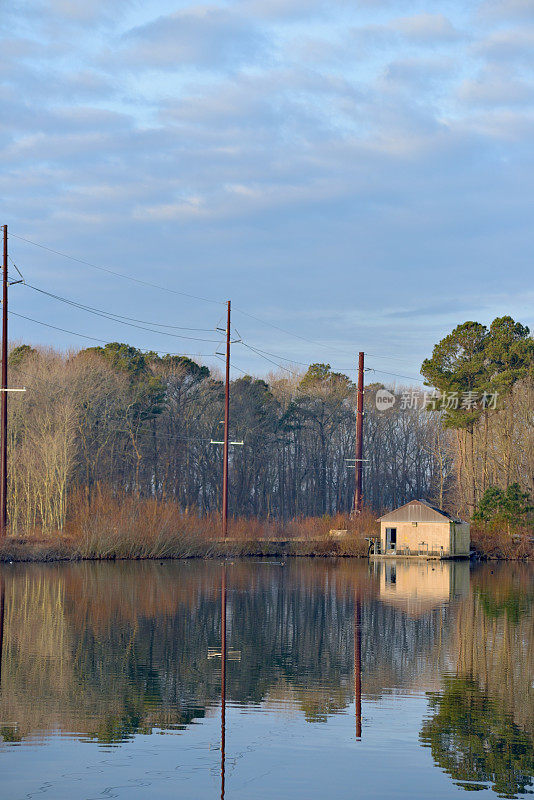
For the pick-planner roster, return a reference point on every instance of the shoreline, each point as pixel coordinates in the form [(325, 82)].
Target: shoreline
[(14, 550), (41, 551)]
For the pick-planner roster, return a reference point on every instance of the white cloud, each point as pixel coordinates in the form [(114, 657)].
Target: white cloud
[(421, 74), (292, 153), (507, 9), (496, 88), (200, 36), (509, 45), (426, 28)]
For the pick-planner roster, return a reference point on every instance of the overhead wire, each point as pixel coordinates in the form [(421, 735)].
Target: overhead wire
[(265, 353), (105, 341), (125, 276), (56, 327), (132, 321), (115, 272), (234, 366), (283, 330), (310, 341), (276, 364), (118, 318), (201, 355), (394, 374)]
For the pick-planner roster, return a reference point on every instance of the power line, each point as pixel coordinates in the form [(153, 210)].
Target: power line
[(293, 361), (131, 321), (312, 341), (259, 351), (281, 366), (168, 437), (234, 366), (200, 355), (56, 328), (371, 369), (114, 272), (387, 358), (18, 270), (395, 375), (288, 333), (274, 355), (183, 294), (117, 318), (105, 341)]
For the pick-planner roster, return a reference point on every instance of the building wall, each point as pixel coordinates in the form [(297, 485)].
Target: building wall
[(409, 536), (460, 538)]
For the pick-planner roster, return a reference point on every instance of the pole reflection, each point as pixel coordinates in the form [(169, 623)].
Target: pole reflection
[(358, 666), (223, 678), (2, 606)]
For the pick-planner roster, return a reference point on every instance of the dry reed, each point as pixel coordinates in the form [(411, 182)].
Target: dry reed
[(127, 527)]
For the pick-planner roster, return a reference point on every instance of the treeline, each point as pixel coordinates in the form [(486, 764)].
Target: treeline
[(117, 419), (484, 382)]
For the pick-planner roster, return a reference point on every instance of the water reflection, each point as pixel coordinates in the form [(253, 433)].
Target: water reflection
[(475, 741), (223, 678), (106, 652), (482, 729)]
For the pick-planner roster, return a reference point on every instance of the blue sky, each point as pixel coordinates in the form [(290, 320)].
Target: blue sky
[(357, 173)]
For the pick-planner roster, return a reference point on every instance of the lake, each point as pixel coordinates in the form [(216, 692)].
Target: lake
[(303, 678)]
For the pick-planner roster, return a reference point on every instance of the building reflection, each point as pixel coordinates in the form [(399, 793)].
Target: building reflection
[(417, 587)]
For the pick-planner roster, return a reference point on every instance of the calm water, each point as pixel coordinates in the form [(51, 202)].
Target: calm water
[(342, 680)]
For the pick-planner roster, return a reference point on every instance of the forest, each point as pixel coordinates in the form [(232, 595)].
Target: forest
[(120, 421)]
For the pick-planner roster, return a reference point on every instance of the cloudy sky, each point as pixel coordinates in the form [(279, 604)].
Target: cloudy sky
[(353, 175)]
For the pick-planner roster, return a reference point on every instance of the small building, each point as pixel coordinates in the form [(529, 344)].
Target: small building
[(420, 529)]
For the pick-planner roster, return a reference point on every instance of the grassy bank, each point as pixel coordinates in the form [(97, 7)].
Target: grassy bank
[(129, 528), (46, 550)]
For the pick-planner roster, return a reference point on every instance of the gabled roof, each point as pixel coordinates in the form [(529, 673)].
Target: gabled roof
[(418, 511)]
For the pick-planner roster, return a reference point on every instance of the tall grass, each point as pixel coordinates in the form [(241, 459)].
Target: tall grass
[(129, 527), (137, 528)]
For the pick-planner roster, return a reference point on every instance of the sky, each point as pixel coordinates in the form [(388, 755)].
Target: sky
[(352, 175)]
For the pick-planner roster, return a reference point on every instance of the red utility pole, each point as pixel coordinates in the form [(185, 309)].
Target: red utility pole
[(358, 494), (3, 400), (226, 429)]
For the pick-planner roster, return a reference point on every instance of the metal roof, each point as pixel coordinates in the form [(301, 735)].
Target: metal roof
[(418, 511)]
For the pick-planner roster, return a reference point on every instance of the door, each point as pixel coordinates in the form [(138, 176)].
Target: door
[(391, 539)]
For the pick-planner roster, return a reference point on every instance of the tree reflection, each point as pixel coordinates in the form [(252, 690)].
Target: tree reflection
[(477, 743)]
